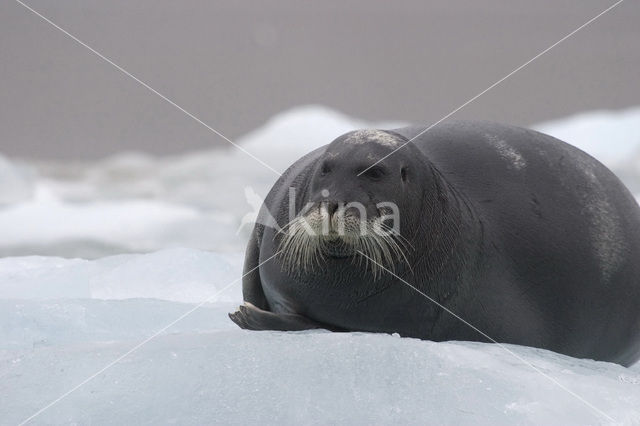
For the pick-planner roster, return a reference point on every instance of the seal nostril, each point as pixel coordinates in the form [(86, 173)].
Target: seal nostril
[(332, 207)]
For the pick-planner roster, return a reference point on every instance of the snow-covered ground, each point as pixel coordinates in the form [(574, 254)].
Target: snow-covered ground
[(97, 257)]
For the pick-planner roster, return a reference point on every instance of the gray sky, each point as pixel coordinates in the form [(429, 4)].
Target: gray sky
[(235, 64)]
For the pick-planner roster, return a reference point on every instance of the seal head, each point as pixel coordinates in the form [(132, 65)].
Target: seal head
[(360, 219)]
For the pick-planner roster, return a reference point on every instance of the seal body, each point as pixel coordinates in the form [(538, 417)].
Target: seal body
[(523, 236)]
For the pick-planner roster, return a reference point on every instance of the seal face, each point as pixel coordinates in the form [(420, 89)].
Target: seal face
[(358, 222), (524, 236)]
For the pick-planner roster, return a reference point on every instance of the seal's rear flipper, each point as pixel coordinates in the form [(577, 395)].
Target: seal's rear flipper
[(251, 317)]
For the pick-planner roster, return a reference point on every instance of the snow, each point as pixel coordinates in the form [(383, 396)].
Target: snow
[(240, 377), (182, 275), (99, 257), (16, 182)]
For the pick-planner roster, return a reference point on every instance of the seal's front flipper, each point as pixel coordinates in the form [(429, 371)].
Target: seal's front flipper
[(251, 317)]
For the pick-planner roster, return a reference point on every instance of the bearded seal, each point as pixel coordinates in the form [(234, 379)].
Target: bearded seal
[(527, 238)]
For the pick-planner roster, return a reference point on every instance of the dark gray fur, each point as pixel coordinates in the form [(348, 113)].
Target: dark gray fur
[(529, 239)]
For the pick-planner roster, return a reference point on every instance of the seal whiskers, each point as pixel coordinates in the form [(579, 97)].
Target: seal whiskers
[(299, 246), (303, 247)]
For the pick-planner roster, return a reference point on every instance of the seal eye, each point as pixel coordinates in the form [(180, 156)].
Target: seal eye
[(325, 169), (403, 174), (374, 172)]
